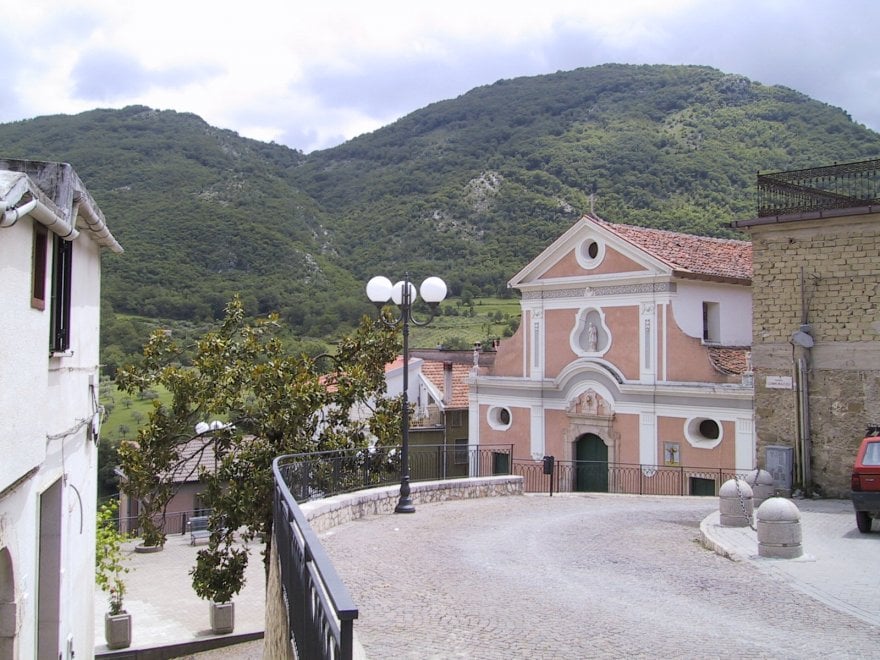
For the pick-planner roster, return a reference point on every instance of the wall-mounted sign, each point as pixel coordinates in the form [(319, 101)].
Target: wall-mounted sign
[(778, 382)]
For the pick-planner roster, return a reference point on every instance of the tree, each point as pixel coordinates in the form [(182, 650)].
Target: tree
[(268, 403)]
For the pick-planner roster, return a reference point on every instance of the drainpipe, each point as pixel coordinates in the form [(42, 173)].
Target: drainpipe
[(447, 383), (11, 215), (802, 342)]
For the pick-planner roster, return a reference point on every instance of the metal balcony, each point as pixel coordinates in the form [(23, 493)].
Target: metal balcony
[(839, 186)]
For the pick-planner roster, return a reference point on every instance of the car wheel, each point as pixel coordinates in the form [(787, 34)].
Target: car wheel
[(863, 520)]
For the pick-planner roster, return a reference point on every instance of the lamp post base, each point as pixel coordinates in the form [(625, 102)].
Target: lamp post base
[(405, 504)]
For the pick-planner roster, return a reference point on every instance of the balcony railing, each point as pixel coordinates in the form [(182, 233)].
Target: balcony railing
[(840, 186), (320, 610)]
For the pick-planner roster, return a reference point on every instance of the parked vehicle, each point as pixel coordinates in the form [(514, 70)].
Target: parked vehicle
[(866, 480)]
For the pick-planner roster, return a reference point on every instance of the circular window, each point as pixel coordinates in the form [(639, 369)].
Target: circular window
[(709, 429), (590, 253), (703, 432), (499, 418)]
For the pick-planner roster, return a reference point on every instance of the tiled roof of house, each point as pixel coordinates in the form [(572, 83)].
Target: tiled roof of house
[(699, 256), (730, 360), (197, 453), (433, 371)]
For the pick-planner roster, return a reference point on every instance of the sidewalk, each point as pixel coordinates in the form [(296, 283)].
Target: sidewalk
[(840, 566), (166, 611)]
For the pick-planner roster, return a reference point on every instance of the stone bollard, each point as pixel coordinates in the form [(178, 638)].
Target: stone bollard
[(779, 529), (734, 498), (761, 482)]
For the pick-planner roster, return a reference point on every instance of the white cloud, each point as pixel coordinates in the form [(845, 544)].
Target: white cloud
[(313, 74)]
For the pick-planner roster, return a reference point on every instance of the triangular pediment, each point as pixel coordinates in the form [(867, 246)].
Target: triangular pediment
[(589, 251)]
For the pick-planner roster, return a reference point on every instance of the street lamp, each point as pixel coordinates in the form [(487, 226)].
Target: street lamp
[(403, 294)]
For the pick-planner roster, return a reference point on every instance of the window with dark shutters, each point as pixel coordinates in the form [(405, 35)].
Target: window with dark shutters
[(59, 341)]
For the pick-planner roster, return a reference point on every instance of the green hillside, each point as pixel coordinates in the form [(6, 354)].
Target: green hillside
[(469, 189)]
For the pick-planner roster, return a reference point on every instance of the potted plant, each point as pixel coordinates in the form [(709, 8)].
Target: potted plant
[(108, 576), (217, 577)]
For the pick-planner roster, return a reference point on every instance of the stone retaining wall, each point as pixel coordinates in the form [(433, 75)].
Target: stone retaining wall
[(327, 513)]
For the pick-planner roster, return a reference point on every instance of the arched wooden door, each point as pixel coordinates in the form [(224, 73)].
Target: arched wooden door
[(591, 464)]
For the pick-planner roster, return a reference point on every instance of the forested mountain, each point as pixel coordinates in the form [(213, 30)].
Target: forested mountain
[(469, 189)]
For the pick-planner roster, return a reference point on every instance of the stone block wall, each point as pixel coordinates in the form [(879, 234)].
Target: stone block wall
[(829, 268), (332, 511)]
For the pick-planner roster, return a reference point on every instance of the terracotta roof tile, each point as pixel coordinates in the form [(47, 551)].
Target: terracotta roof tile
[(433, 371), (730, 360), (699, 256)]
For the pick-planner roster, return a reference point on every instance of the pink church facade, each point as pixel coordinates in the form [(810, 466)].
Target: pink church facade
[(633, 349)]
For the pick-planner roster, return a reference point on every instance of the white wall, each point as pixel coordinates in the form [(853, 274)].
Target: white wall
[(24, 343), (735, 304), (49, 404)]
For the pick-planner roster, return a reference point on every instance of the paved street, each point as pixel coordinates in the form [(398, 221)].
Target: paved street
[(591, 575)]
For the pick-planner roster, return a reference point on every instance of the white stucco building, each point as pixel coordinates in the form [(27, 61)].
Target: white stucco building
[(51, 237)]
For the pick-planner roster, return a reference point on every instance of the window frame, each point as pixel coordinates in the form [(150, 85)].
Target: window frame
[(62, 270)]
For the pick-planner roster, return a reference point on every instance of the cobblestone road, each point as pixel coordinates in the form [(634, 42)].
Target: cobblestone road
[(573, 576)]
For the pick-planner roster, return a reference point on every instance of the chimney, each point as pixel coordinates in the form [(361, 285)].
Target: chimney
[(447, 383)]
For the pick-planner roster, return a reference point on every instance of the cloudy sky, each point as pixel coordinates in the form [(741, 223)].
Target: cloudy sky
[(313, 73)]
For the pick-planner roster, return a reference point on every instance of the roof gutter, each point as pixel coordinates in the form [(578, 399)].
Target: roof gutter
[(42, 214), (97, 226), (11, 215)]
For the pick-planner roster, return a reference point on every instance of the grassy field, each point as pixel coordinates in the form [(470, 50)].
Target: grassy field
[(489, 319), (125, 413)]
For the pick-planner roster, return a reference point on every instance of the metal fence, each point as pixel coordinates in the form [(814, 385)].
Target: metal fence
[(633, 479), (326, 473), (840, 186), (170, 523)]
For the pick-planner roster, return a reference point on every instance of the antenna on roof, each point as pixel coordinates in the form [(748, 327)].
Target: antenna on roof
[(593, 198)]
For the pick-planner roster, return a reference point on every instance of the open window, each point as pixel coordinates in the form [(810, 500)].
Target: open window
[(711, 323)]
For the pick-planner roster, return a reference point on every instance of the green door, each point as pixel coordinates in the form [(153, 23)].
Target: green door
[(591, 464)]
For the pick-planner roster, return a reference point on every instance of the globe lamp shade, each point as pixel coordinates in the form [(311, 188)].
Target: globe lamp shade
[(379, 290), (397, 293), (433, 290)]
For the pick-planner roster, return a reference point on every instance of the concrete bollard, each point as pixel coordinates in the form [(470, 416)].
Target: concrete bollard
[(735, 503), (779, 529), (761, 482)]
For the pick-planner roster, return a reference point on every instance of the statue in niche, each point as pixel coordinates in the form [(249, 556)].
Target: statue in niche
[(592, 338)]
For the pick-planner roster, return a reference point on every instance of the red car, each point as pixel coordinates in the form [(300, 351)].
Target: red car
[(866, 480)]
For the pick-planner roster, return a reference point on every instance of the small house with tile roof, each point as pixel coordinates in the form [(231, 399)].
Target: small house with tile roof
[(441, 412), (633, 350)]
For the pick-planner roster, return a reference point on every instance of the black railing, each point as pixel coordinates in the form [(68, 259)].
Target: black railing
[(170, 523), (622, 478), (326, 473), (320, 610), (847, 185)]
